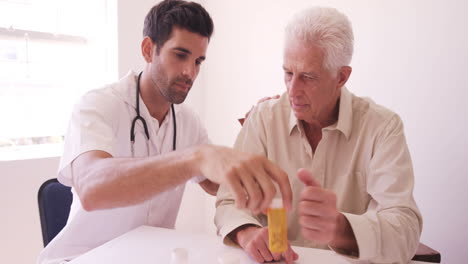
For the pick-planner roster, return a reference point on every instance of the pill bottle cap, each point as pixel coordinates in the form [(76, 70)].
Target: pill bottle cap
[(276, 203)]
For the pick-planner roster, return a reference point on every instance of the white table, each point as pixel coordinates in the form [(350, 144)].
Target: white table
[(147, 244)]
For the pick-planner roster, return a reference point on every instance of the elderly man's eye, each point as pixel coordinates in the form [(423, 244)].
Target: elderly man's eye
[(310, 77), (288, 75)]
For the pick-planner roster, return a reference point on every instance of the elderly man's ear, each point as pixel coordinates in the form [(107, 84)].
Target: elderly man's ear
[(344, 74)]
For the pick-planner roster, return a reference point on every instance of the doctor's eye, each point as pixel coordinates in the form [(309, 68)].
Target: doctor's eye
[(181, 56)]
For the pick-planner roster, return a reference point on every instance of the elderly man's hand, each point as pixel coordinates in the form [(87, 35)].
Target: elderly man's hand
[(254, 240), (249, 177), (319, 217)]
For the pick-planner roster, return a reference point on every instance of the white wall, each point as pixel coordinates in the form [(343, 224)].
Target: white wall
[(20, 227), (411, 56)]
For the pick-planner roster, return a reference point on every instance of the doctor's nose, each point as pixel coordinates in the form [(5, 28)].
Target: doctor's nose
[(189, 72)]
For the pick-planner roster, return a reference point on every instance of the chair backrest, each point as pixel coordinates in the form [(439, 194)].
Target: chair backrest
[(427, 254), (54, 201)]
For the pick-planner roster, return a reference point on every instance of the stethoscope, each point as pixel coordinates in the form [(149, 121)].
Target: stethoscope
[(145, 126)]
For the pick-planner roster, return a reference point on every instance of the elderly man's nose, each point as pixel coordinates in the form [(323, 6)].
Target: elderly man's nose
[(293, 86)]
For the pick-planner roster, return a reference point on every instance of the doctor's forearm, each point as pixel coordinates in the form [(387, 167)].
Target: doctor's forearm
[(105, 182)]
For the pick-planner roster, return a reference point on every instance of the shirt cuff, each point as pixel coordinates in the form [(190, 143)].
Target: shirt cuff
[(351, 255), (197, 179), (228, 228), (365, 237), (65, 172)]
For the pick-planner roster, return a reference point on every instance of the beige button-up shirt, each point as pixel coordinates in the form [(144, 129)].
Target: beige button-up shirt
[(363, 158)]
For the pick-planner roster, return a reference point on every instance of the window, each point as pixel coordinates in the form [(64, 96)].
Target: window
[(51, 52)]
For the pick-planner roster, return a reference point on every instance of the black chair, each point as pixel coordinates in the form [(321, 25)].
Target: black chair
[(427, 254), (54, 201)]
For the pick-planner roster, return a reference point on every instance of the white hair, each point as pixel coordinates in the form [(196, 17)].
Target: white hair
[(328, 29)]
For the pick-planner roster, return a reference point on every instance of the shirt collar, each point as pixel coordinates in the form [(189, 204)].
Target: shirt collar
[(126, 89), (293, 121), (345, 115)]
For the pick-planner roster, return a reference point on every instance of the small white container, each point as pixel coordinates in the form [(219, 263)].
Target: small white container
[(179, 256)]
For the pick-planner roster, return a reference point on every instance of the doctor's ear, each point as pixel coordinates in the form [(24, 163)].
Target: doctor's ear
[(147, 49)]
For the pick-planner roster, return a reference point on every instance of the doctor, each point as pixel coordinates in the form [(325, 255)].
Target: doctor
[(131, 146)]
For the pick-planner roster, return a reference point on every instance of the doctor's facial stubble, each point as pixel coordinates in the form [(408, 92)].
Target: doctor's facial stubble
[(174, 91), (176, 64)]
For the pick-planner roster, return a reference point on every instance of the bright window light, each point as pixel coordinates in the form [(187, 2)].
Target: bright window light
[(51, 52)]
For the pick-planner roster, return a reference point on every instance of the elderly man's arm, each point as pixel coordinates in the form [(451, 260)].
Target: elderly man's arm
[(228, 217), (242, 227), (390, 229), (319, 217)]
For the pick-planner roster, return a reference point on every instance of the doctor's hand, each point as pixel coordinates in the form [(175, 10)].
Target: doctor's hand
[(319, 218), (241, 120), (254, 240), (249, 177)]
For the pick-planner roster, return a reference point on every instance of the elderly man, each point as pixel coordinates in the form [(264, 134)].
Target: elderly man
[(346, 157)]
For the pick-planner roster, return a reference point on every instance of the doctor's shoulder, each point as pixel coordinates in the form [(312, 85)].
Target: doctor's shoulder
[(103, 100), (190, 125), (187, 114)]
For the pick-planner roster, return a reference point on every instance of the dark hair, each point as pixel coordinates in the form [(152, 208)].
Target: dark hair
[(187, 15)]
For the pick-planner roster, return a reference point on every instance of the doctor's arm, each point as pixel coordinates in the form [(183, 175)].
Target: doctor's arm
[(104, 182)]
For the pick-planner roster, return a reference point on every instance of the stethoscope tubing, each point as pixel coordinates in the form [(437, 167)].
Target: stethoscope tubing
[(143, 121)]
